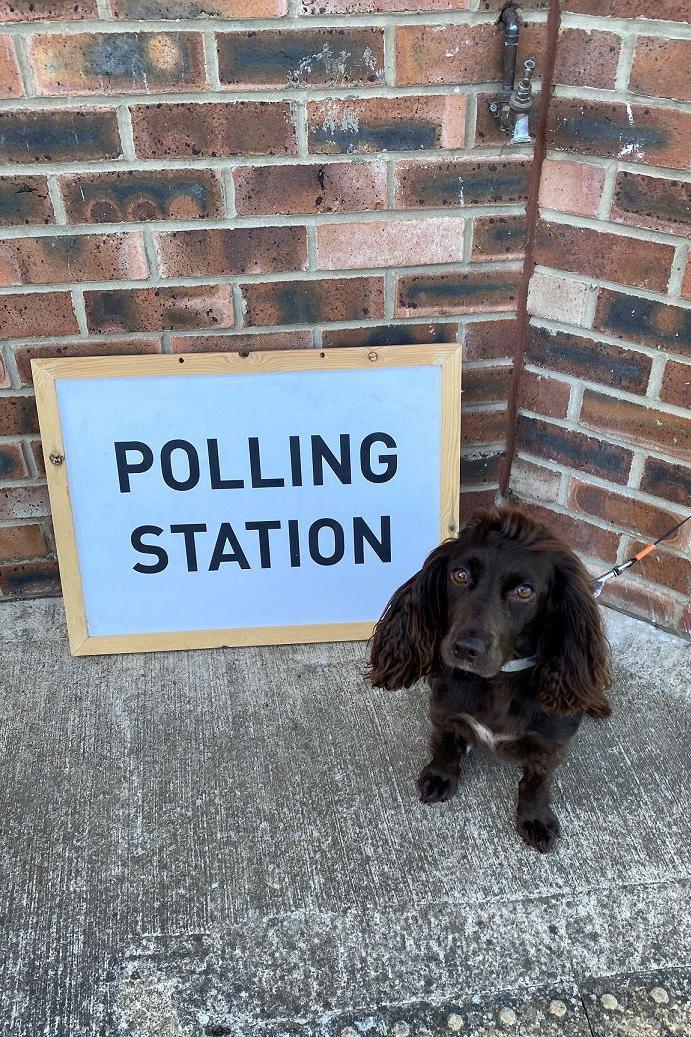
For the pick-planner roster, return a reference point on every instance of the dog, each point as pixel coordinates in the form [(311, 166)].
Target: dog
[(503, 622)]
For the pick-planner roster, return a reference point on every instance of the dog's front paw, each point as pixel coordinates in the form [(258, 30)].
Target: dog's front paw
[(435, 787), (540, 831)]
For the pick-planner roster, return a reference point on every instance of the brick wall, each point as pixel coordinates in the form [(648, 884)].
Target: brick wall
[(253, 174), (603, 432), (182, 175)]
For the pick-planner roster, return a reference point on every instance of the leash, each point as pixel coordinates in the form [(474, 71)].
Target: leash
[(617, 570)]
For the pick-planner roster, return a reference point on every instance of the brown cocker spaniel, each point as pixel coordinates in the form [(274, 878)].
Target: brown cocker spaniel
[(503, 622)]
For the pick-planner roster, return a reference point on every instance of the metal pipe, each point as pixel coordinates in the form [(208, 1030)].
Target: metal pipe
[(510, 20)]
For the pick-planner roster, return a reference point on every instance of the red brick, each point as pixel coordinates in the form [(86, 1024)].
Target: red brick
[(59, 136), (558, 298), (103, 257), (483, 426), (117, 63), (391, 335), (672, 10), (661, 68), (498, 237), (580, 535), (10, 78), (157, 309), (663, 567), (533, 481), (240, 343), (306, 57), (480, 469), (30, 579), (473, 500), (610, 257), (676, 384), (349, 246), (214, 130), (585, 358), (636, 133), (490, 339), (247, 250), (671, 482), (29, 316), (637, 424), (21, 542), (574, 187), (543, 395), (642, 320), (386, 124), (380, 6), (485, 384), (435, 54), (23, 355), (135, 196), (443, 294), (24, 199), (684, 625), (572, 449), (654, 202), (12, 463), (310, 302), (226, 9), (47, 10), (18, 503), (423, 183), (587, 58), (37, 452), (329, 187), (625, 512), (18, 416), (649, 604)]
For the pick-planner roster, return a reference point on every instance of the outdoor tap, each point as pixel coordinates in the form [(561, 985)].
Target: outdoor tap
[(520, 105)]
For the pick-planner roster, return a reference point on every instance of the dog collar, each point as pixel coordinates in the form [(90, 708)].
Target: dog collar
[(519, 664)]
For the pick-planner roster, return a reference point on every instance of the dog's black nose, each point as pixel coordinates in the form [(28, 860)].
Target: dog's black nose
[(470, 647)]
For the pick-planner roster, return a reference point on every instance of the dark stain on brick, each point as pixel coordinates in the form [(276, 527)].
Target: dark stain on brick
[(671, 482), (128, 56), (463, 183), (24, 200), (601, 130), (479, 471), (584, 358), (666, 200), (55, 135), (393, 136), (30, 579), (573, 449), (392, 335), (642, 320), (110, 197), (327, 56), (8, 462), (455, 288), (18, 415)]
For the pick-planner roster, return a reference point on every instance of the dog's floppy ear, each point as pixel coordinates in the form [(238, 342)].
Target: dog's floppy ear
[(406, 638), (573, 652)]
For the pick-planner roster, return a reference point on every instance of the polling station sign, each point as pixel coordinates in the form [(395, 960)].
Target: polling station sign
[(229, 499)]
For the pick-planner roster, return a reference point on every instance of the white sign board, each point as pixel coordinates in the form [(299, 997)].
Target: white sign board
[(219, 500)]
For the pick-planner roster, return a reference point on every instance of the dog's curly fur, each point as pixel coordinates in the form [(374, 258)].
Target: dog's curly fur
[(534, 712)]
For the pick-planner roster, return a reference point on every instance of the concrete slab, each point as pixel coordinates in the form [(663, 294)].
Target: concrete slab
[(230, 842)]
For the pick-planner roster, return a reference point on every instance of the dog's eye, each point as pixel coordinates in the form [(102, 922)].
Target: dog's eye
[(524, 591), (460, 576)]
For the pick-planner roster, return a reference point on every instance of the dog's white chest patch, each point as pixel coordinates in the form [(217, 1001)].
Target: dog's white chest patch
[(484, 733)]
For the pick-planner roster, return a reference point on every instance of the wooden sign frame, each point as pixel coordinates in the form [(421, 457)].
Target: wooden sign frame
[(46, 372)]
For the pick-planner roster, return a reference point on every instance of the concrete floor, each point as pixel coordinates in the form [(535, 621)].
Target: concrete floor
[(229, 842)]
